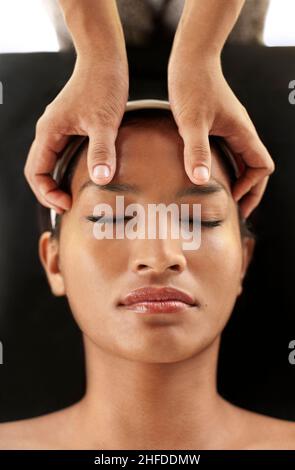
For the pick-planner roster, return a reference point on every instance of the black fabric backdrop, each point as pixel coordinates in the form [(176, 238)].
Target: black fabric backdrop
[(42, 348)]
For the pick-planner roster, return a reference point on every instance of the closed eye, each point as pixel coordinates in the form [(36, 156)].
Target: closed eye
[(102, 219), (115, 219)]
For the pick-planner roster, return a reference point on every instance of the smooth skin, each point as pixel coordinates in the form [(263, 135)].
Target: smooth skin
[(151, 378), (93, 101)]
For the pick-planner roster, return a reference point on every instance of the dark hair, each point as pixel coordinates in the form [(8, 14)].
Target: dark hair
[(136, 118)]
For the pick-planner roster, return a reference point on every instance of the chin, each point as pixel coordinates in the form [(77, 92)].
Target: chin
[(161, 349)]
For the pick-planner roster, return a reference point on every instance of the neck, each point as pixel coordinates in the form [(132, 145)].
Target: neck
[(131, 404)]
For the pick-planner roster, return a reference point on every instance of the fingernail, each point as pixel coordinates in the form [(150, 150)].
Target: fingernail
[(101, 172), (58, 210), (201, 173), (236, 193), (237, 197)]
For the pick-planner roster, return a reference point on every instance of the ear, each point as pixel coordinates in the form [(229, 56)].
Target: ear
[(49, 256), (248, 245)]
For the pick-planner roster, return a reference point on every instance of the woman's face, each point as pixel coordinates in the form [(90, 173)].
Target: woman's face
[(96, 275)]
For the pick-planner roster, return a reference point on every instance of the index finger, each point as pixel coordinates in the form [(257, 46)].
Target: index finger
[(40, 163), (247, 146)]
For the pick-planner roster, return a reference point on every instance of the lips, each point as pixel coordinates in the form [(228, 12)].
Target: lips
[(161, 300)]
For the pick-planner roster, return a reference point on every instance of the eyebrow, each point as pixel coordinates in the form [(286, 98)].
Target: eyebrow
[(114, 187), (208, 188), (204, 189)]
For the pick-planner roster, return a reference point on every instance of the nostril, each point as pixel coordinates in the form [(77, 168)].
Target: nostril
[(175, 267), (142, 266)]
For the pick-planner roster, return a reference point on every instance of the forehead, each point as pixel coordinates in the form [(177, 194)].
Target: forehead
[(150, 153)]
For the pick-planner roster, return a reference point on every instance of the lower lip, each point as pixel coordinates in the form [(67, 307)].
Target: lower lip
[(167, 306)]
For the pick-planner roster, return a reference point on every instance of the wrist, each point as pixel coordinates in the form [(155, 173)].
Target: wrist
[(95, 27), (96, 44), (194, 55), (205, 25), (191, 44), (98, 53), (103, 67)]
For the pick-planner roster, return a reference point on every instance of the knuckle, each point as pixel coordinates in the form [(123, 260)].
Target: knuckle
[(26, 172), (199, 152), (99, 150), (40, 126), (270, 167), (48, 107), (245, 112), (45, 122)]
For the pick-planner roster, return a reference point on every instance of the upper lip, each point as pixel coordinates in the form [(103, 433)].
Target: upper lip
[(150, 294)]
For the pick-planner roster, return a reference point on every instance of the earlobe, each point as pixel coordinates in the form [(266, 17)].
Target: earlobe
[(248, 245), (49, 257)]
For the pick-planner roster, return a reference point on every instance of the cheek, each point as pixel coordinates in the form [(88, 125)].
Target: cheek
[(216, 267), (90, 267)]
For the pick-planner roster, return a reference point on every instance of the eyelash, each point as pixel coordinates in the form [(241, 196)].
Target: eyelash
[(204, 223)]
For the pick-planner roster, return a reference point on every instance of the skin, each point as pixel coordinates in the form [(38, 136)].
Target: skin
[(203, 103), (151, 380), (93, 100), (91, 103)]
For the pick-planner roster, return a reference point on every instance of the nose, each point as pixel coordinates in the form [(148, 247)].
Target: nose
[(157, 257)]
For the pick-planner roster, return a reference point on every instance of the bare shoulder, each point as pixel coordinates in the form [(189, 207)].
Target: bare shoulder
[(266, 432), (41, 432)]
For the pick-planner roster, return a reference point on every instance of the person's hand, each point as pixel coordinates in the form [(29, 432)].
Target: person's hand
[(203, 104), (92, 103)]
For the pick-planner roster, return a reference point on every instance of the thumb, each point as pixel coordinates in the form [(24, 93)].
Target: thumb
[(101, 156), (197, 155)]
